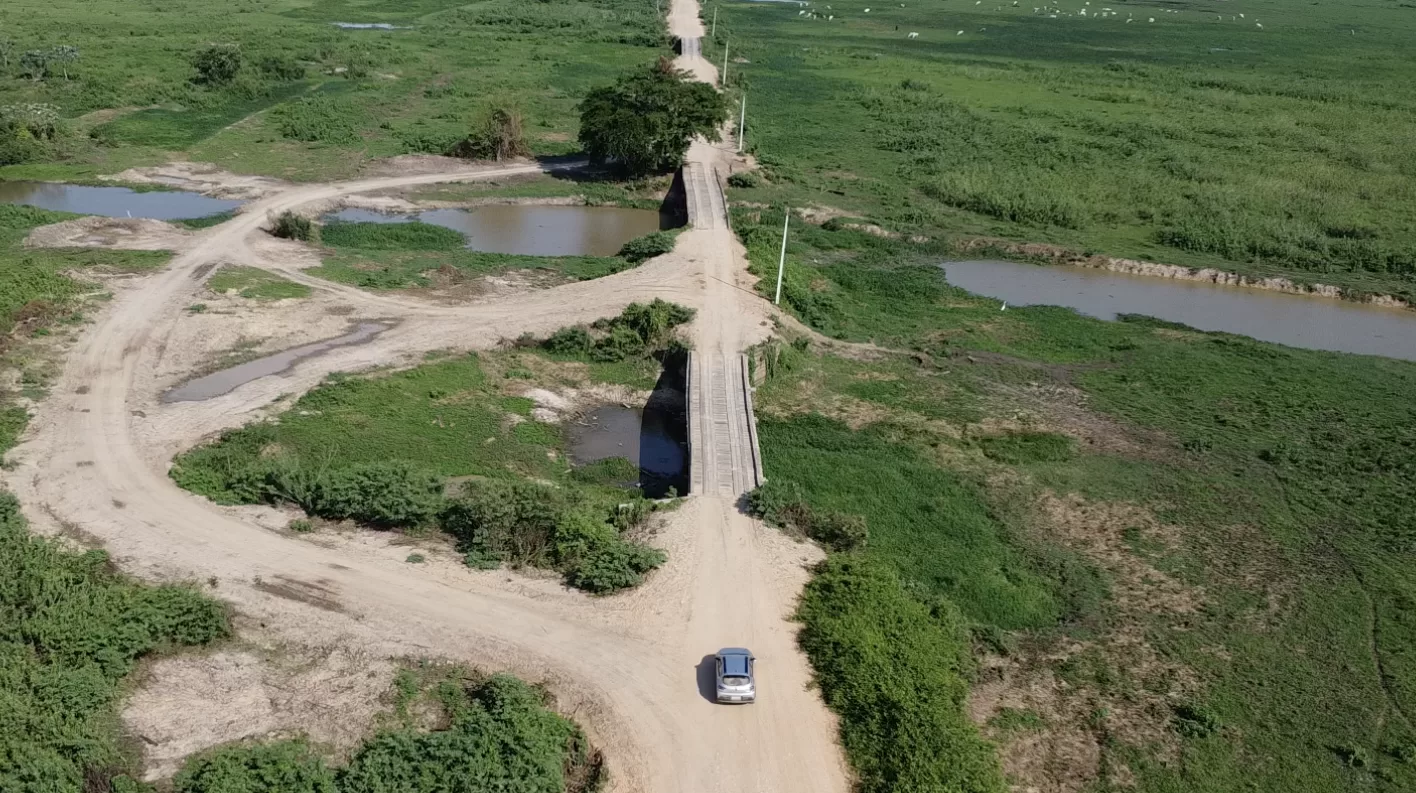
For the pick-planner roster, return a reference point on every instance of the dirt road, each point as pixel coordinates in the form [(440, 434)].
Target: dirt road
[(630, 668)]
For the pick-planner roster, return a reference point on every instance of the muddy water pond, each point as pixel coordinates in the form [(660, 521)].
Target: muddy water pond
[(228, 380), (1298, 321), (114, 202), (532, 230), (654, 438)]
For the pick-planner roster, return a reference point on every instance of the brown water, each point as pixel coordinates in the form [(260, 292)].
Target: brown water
[(532, 230), (1310, 322), (114, 202), (228, 380), (654, 438)]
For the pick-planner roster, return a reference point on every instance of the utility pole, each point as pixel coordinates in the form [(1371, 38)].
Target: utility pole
[(782, 262), (742, 121), (723, 78), (715, 22)]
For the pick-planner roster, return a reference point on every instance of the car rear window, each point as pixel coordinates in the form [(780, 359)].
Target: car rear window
[(735, 665)]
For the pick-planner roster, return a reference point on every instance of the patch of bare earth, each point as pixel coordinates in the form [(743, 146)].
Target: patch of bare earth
[(1079, 716), (189, 703), (202, 178), (1050, 406), (131, 234)]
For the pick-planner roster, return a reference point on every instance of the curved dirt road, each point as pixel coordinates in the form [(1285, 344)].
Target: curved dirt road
[(629, 667)]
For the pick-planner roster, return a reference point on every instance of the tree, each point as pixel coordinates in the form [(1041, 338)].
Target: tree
[(500, 135), (645, 121), (218, 64), (35, 64), (64, 54)]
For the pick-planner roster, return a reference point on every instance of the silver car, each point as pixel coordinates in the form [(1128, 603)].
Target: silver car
[(735, 681)]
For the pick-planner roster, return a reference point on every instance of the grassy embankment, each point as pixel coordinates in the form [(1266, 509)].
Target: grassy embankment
[(311, 101), (420, 255), (452, 444), (1184, 557), (1192, 140)]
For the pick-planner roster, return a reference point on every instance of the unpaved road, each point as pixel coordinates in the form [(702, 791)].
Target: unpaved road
[(630, 668)]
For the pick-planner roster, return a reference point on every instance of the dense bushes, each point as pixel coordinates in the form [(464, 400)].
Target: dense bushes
[(415, 236), (29, 132), (894, 670), (499, 736), (291, 226), (70, 631), (526, 523), (783, 504), (648, 246), (316, 119), (638, 330)]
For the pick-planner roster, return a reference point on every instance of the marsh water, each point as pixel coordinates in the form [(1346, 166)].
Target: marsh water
[(532, 230), (114, 202), (654, 438), (228, 380), (1310, 322)]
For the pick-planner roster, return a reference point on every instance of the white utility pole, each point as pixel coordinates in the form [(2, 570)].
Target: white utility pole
[(742, 121), (715, 22), (723, 78), (782, 262)]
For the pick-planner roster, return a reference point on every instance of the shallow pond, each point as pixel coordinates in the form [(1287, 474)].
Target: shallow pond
[(1298, 321), (114, 202), (654, 438), (228, 380), (532, 230)]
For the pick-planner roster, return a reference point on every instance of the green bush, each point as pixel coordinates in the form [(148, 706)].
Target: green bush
[(745, 179), (386, 495), (511, 521), (281, 67), (500, 737), (638, 330), (280, 767), (415, 236), (783, 504), (613, 566), (1017, 448), (317, 119), (291, 226), (574, 340), (648, 246), (218, 64), (70, 632), (894, 670)]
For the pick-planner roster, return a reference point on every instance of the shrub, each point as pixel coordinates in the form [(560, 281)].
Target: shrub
[(291, 226), (386, 495), (217, 64), (316, 119), (284, 766), (894, 671), (500, 135), (613, 566), (648, 246), (574, 340), (744, 179), (300, 526), (71, 630), (281, 67), (513, 521), (415, 236)]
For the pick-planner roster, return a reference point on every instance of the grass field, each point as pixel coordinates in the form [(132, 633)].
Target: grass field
[(1193, 139), (312, 101), (1203, 540), (255, 284)]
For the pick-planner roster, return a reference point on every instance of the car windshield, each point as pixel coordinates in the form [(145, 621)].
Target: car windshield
[(734, 680)]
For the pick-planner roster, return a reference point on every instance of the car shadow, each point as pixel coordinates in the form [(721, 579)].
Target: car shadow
[(708, 678)]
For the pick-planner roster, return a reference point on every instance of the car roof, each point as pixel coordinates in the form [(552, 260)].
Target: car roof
[(735, 665), (726, 651)]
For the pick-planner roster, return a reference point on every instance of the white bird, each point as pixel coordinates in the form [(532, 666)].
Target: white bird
[(831, 17), (913, 36), (1004, 307), (960, 33), (1152, 19), (1260, 27), (867, 10), (1241, 16), (1129, 21)]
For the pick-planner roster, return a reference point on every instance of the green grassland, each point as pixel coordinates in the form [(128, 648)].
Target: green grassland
[(1228, 598), (255, 284), (1189, 140), (313, 101)]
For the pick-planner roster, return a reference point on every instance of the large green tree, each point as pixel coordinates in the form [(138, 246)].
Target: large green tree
[(645, 121)]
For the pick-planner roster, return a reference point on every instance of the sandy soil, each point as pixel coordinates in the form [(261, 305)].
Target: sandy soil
[(630, 668), (131, 234), (202, 178)]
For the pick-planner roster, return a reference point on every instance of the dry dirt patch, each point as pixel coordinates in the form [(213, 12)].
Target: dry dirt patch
[(202, 178), (131, 234), (189, 703)]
